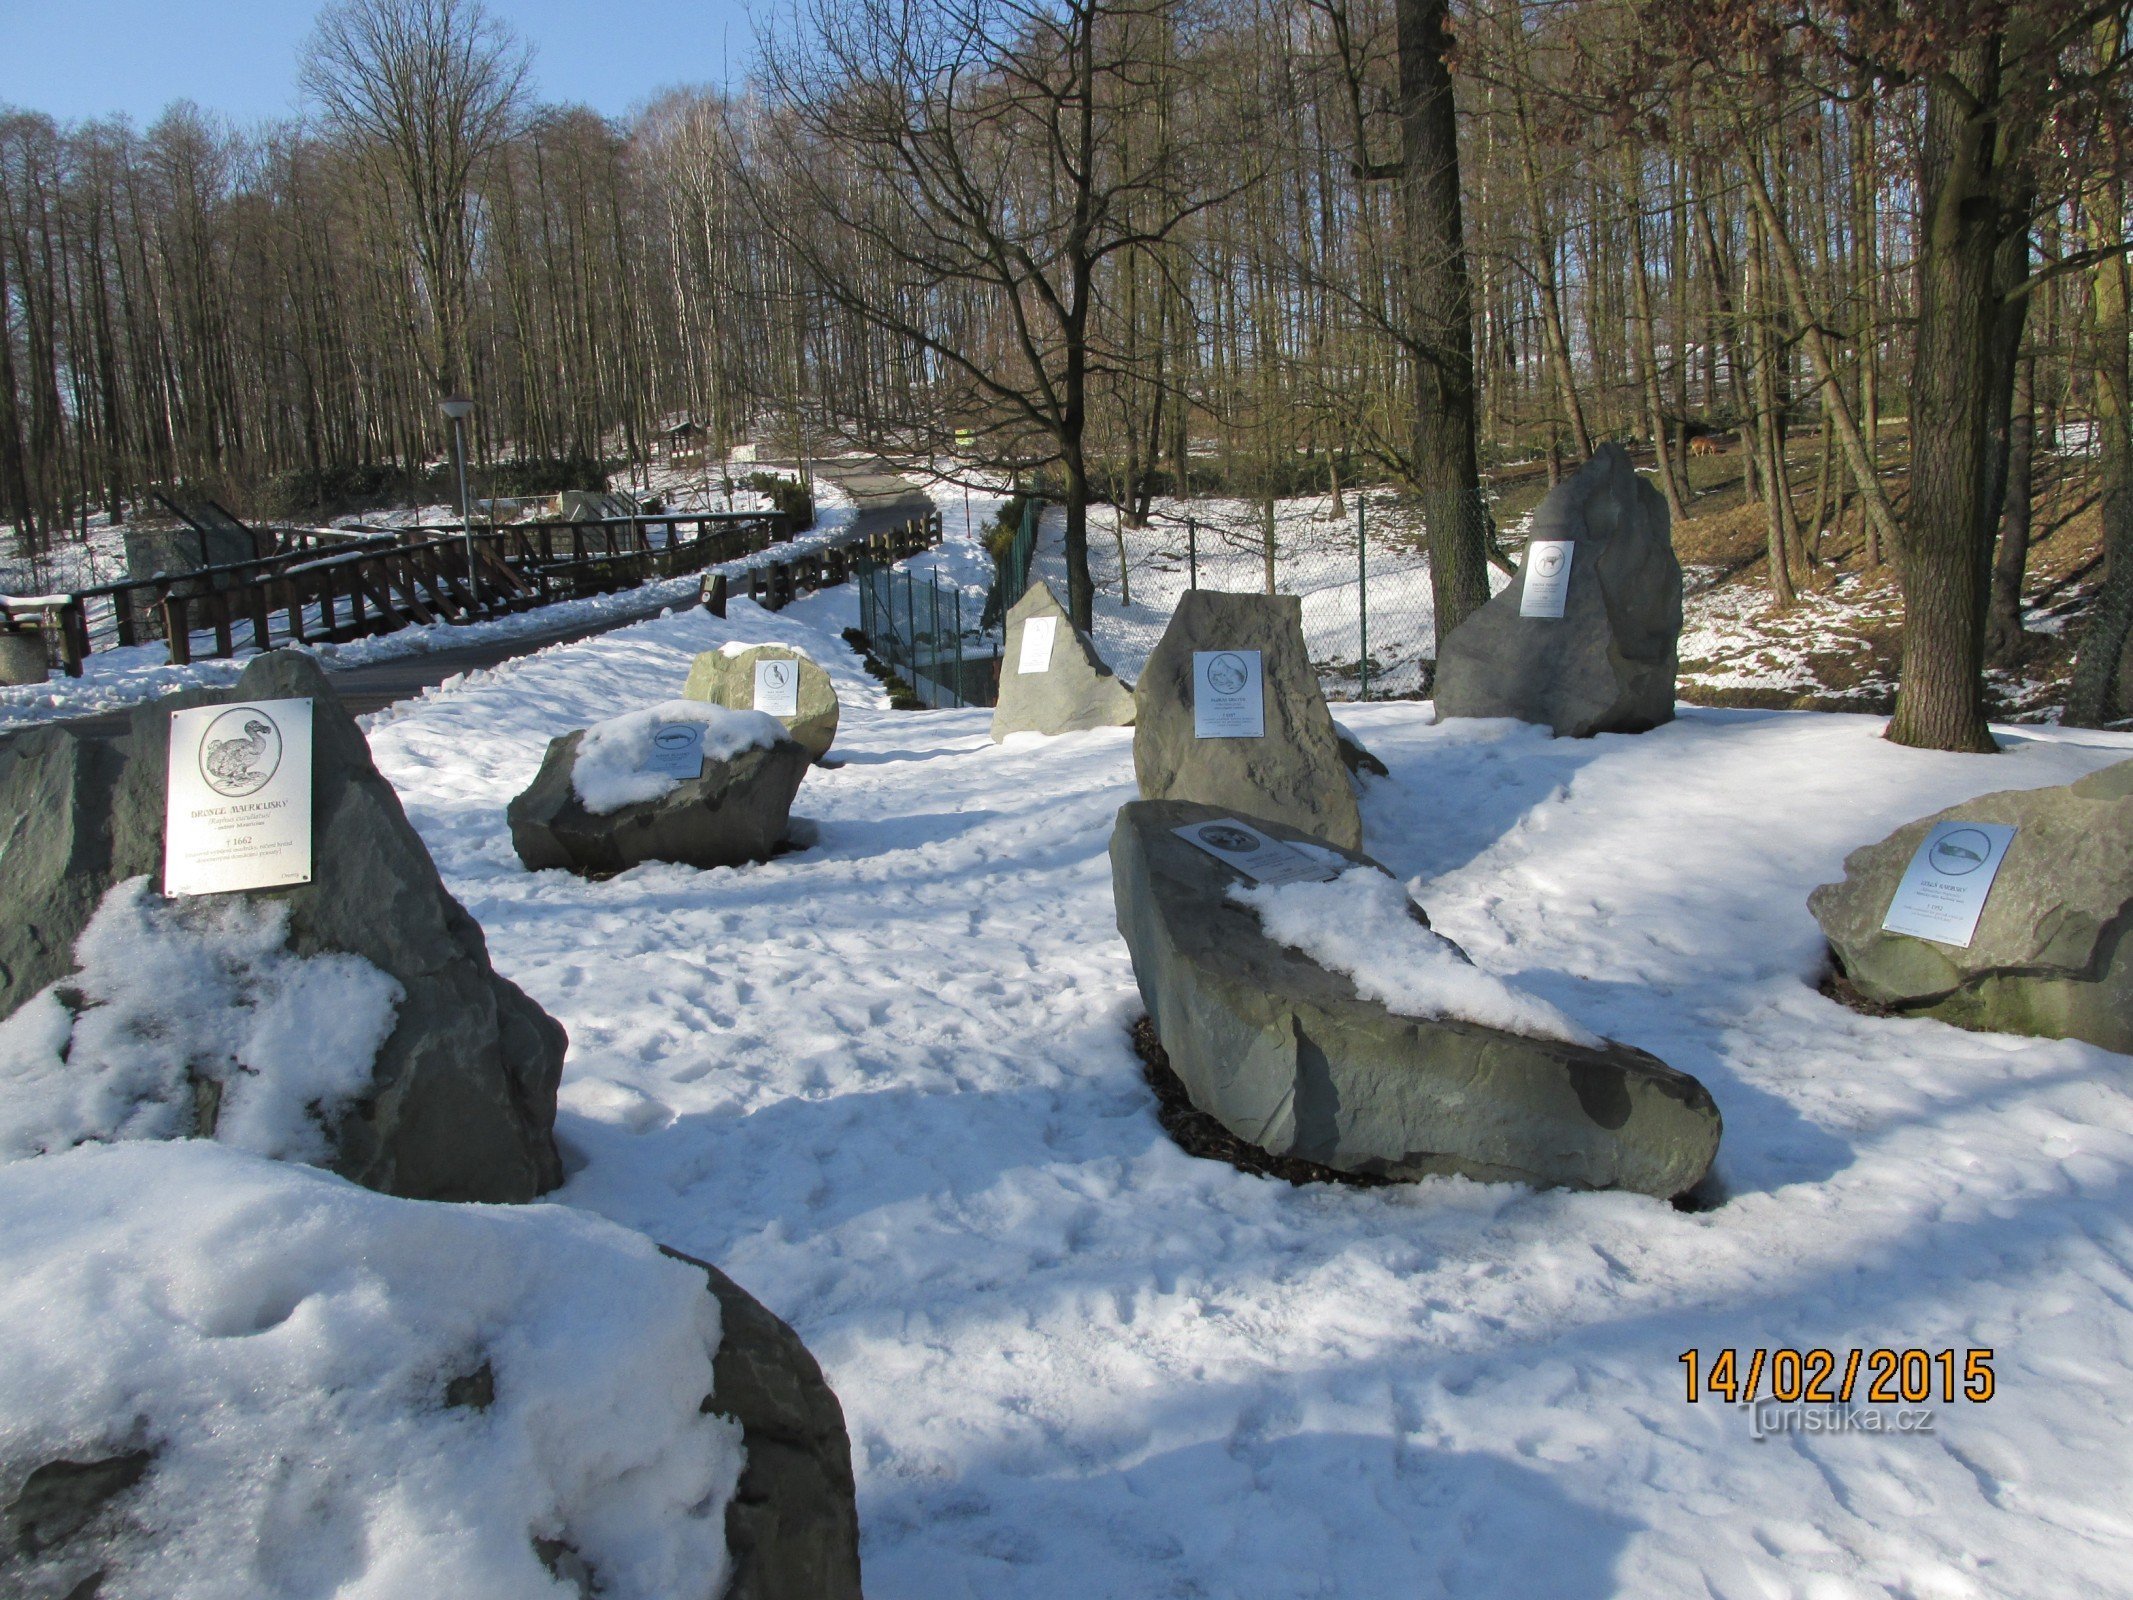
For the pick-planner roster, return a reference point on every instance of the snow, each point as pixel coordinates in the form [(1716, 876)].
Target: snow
[(170, 992), (887, 1083), (282, 1341), (610, 770), (1360, 924)]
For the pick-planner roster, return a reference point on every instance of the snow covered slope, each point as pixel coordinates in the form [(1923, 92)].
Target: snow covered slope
[(887, 1084)]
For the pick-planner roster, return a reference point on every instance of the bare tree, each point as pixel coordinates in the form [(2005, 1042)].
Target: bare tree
[(426, 90)]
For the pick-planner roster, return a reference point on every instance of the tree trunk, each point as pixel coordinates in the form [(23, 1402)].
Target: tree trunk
[(1940, 701), (2003, 621), (1441, 335), (2094, 696)]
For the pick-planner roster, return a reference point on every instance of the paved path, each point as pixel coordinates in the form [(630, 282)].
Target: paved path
[(884, 498)]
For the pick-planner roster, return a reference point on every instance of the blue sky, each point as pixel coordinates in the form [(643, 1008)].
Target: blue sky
[(82, 58)]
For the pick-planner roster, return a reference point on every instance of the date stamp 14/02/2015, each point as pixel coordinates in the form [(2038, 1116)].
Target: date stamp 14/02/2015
[(1820, 1377)]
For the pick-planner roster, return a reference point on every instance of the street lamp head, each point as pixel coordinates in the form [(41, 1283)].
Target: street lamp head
[(458, 407)]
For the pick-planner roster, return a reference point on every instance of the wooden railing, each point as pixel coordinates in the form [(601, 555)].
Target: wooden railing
[(331, 586), (776, 584)]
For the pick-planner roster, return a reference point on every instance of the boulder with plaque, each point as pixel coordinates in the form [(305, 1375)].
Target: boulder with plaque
[(775, 679), (1412, 1064), (1229, 712), (260, 801), (1051, 678), (1583, 641), (2008, 913), (688, 781)]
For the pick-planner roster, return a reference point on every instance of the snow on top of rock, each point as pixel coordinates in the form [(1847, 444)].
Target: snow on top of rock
[(612, 768), (172, 992), (283, 1344), (740, 647), (1359, 924)]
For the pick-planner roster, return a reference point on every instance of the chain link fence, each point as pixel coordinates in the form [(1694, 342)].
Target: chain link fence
[(929, 634), (1359, 565)]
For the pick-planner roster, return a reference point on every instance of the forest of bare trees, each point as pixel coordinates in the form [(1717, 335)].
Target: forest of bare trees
[(1136, 247)]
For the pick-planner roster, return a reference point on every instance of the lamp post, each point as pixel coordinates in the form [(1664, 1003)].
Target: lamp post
[(458, 407)]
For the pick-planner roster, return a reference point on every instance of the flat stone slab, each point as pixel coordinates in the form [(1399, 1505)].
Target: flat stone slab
[(1069, 690), (727, 677), (2049, 957), (1294, 773), (1288, 1056), (464, 1105), (1607, 663), (736, 810)]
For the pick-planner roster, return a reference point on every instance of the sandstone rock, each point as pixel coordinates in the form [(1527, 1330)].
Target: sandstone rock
[(793, 1524), (1288, 1056), (22, 657), (1607, 664), (2050, 956), (464, 1107), (1074, 691), (1294, 774), (729, 680), (736, 811)]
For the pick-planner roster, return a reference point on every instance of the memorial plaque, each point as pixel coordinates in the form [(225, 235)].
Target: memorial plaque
[(1228, 701), (237, 809), (777, 687), (1547, 588), (677, 750), (1258, 857), (1944, 888), (1038, 636)]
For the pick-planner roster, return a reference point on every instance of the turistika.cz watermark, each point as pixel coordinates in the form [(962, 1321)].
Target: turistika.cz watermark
[(1787, 1390)]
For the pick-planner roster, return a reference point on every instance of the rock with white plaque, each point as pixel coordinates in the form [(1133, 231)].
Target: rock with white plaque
[(1288, 1055), (1052, 681), (1583, 641), (1229, 713), (463, 1106), (776, 679), (691, 782), (2009, 913)]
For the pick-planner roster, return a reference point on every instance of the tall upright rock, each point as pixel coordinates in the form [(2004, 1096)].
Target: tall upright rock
[(1603, 660), (1291, 771), (463, 1099)]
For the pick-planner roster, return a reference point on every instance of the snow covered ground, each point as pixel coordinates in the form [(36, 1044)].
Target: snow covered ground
[(887, 1084)]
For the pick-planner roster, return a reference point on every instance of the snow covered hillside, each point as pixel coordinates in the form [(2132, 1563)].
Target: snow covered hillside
[(887, 1084)]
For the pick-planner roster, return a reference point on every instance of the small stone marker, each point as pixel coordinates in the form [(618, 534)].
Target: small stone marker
[(1547, 578), (238, 798), (1230, 714), (1943, 890), (1038, 636), (1258, 856), (1052, 681), (677, 750), (735, 677), (1228, 695), (777, 686)]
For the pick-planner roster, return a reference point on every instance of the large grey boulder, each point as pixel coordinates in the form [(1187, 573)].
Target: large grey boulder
[(22, 657), (728, 679), (737, 811), (464, 1101), (1607, 664), (792, 1527), (2050, 956), (1288, 1056), (1294, 774), (1074, 689)]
